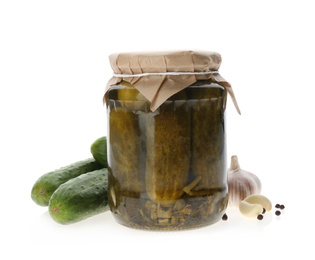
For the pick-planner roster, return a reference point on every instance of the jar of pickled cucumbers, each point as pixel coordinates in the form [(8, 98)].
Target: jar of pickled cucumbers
[(166, 139)]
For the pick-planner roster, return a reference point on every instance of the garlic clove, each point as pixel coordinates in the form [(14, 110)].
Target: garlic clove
[(259, 199), (250, 210), (241, 183)]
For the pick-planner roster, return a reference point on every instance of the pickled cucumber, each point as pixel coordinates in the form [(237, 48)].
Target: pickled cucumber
[(125, 146), (168, 149), (208, 136), (127, 149)]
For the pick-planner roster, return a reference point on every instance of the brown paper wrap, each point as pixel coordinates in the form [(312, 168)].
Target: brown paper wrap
[(158, 88)]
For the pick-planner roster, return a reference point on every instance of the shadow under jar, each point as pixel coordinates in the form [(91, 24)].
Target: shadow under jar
[(167, 168)]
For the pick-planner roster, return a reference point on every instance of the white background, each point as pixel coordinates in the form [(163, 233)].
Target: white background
[(53, 71)]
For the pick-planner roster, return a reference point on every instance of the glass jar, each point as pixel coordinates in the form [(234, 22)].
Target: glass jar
[(167, 168)]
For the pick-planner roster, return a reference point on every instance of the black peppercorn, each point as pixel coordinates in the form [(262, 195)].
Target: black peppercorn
[(260, 217), (277, 206), (282, 207), (264, 211), (224, 217), (278, 213)]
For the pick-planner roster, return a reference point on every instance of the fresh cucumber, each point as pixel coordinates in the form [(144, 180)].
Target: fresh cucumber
[(99, 151), (49, 182), (80, 197)]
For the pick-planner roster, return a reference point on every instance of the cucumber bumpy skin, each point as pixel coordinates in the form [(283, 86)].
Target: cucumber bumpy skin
[(80, 197), (49, 182), (99, 151)]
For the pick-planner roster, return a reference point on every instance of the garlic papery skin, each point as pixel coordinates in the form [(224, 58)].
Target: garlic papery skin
[(241, 183)]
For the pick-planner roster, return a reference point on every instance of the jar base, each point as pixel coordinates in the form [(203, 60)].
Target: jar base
[(189, 212), (168, 227)]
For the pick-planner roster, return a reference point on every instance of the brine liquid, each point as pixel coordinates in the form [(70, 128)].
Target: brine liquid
[(167, 168)]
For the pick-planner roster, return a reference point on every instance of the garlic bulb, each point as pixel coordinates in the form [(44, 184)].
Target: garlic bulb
[(241, 183)]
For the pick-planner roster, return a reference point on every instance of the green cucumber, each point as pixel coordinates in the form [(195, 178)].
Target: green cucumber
[(99, 151), (49, 182), (80, 197)]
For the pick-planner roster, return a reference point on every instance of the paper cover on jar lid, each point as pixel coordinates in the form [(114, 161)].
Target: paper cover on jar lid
[(166, 73)]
